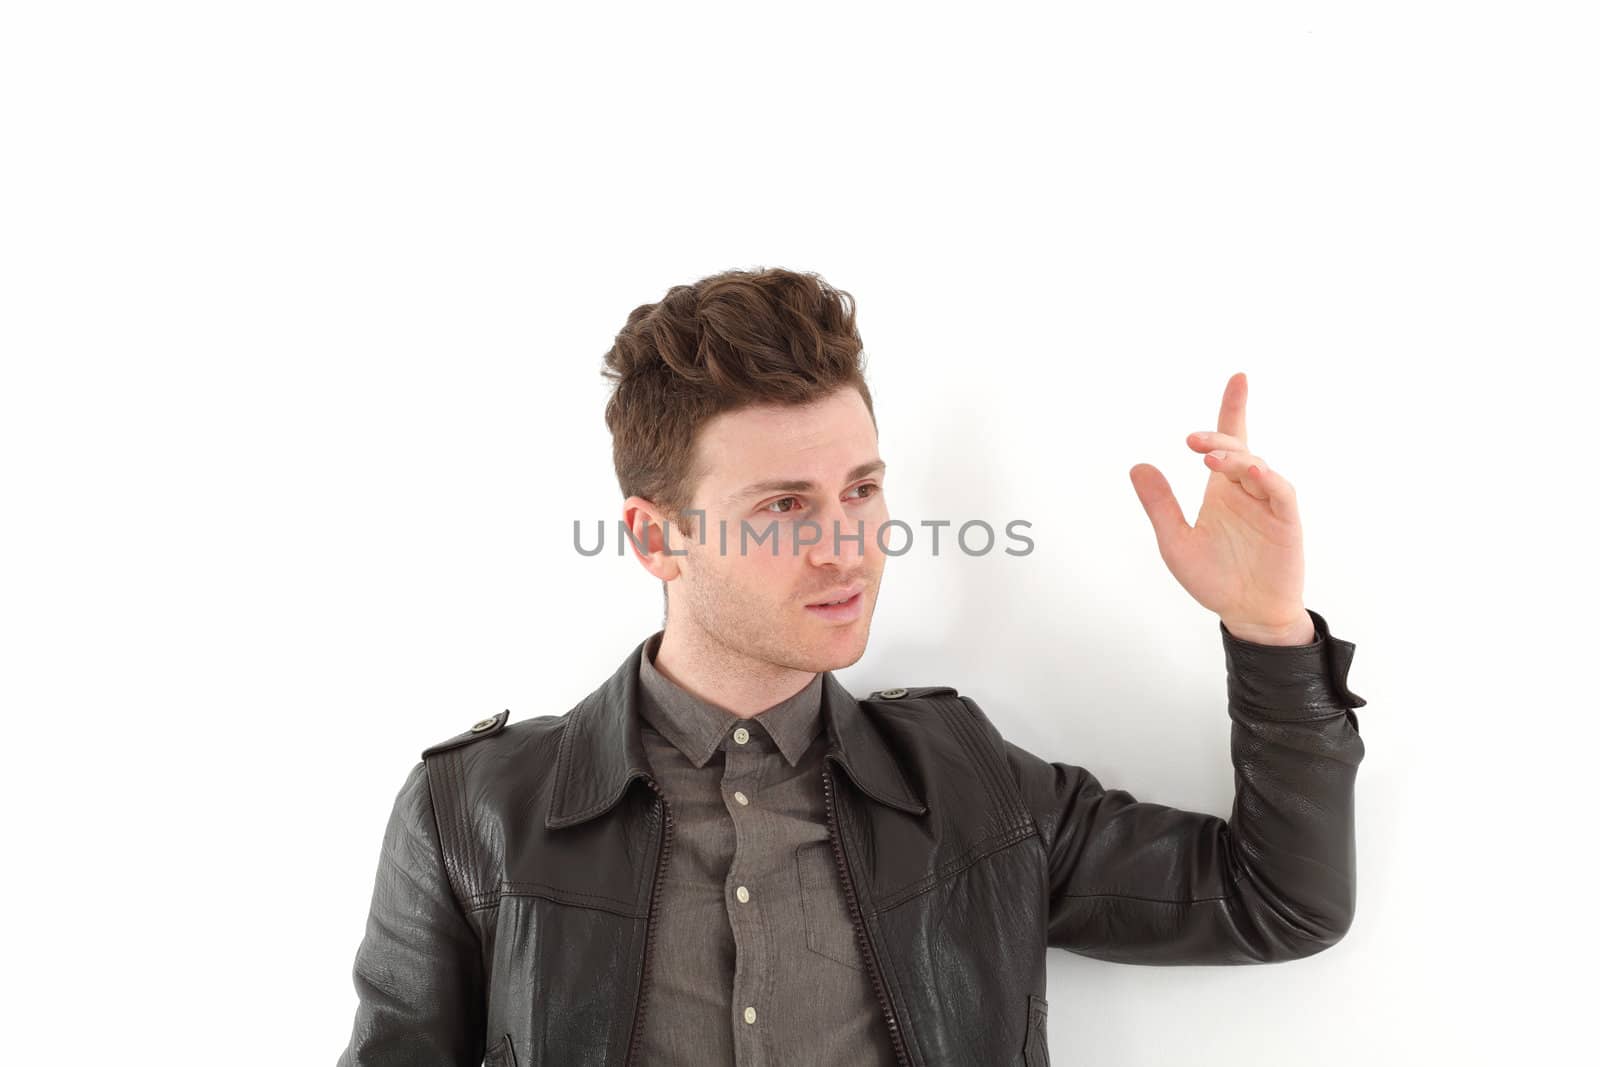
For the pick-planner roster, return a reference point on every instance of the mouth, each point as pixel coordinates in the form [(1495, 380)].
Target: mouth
[(839, 609)]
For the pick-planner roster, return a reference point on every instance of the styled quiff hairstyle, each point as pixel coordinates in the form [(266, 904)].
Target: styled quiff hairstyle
[(741, 337)]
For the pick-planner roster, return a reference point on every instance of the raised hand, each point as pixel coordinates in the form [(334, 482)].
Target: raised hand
[(1243, 558)]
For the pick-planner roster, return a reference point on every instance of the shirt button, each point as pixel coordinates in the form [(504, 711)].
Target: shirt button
[(740, 797), (749, 1015), (743, 894), (741, 735)]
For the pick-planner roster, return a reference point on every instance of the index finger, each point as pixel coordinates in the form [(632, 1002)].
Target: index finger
[(1230, 420)]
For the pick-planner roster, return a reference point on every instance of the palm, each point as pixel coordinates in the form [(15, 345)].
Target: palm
[(1243, 558)]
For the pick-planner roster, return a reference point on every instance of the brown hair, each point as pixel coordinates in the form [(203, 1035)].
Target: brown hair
[(742, 337)]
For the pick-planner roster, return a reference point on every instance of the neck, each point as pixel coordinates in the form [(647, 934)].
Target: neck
[(711, 671)]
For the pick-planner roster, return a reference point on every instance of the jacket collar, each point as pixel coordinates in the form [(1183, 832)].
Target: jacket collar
[(601, 750)]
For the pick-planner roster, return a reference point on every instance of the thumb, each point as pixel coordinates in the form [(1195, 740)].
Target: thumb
[(1166, 517)]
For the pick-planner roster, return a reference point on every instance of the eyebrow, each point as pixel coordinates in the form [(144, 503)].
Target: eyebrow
[(791, 485)]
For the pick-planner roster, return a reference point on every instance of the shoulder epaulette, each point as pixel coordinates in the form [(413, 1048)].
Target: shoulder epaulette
[(901, 693), (477, 731)]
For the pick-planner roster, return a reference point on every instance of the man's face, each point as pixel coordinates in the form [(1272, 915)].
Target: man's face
[(758, 603)]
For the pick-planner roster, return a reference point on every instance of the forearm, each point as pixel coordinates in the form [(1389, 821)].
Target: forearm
[(1295, 747)]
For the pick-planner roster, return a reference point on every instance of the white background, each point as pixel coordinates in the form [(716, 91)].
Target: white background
[(303, 311)]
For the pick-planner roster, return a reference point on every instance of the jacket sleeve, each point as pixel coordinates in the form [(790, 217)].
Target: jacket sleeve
[(418, 971), (1137, 882)]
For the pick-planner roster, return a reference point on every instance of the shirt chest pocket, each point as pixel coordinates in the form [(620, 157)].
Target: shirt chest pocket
[(829, 931)]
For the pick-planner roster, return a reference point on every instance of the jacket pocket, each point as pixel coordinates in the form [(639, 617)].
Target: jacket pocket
[(501, 1055), (1036, 1048), (829, 930)]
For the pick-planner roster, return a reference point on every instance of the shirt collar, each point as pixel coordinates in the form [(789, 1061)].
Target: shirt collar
[(697, 728), (601, 751)]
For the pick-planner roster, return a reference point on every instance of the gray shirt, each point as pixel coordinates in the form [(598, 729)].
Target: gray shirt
[(755, 961)]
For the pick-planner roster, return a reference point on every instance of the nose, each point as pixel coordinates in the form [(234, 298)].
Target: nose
[(850, 533)]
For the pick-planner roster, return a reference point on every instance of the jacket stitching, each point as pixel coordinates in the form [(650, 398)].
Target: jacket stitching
[(965, 725), (462, 830), (949, 869), (1149, 900), (1014, 810), (570, 897), (958, 728), (1268, 715), (469, 860), (485, 901), (444, 816), (451, 837), (985, 753), (444, 823), (445, 853)]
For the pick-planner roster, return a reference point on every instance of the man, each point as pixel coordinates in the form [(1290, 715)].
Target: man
[(722, 857)]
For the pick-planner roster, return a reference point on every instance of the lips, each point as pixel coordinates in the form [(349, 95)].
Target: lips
[(848, 612), (838, 595)]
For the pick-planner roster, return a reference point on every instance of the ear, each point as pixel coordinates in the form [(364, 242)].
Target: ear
[(659, 549)]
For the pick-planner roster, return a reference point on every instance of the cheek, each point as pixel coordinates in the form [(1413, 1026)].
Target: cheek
[(758, 573), (876, 535), (759, 581)]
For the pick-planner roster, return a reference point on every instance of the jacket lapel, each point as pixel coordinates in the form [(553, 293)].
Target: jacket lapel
[(858, 746)]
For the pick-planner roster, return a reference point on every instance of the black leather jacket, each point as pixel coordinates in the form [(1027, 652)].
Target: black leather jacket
[(511, 916)]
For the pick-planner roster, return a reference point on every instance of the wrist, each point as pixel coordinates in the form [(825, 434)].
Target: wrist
[(1299, 631)]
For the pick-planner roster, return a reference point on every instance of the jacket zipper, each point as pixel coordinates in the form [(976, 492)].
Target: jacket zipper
[(665, 810), (901, 1057)]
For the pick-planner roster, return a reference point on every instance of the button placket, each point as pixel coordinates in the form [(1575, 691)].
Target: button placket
[(752, 969)]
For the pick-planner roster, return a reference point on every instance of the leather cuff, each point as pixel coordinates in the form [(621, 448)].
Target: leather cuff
[(1291, 681)]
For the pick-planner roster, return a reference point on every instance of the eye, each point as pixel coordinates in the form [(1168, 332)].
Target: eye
[(773, 509), (780, 500)]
